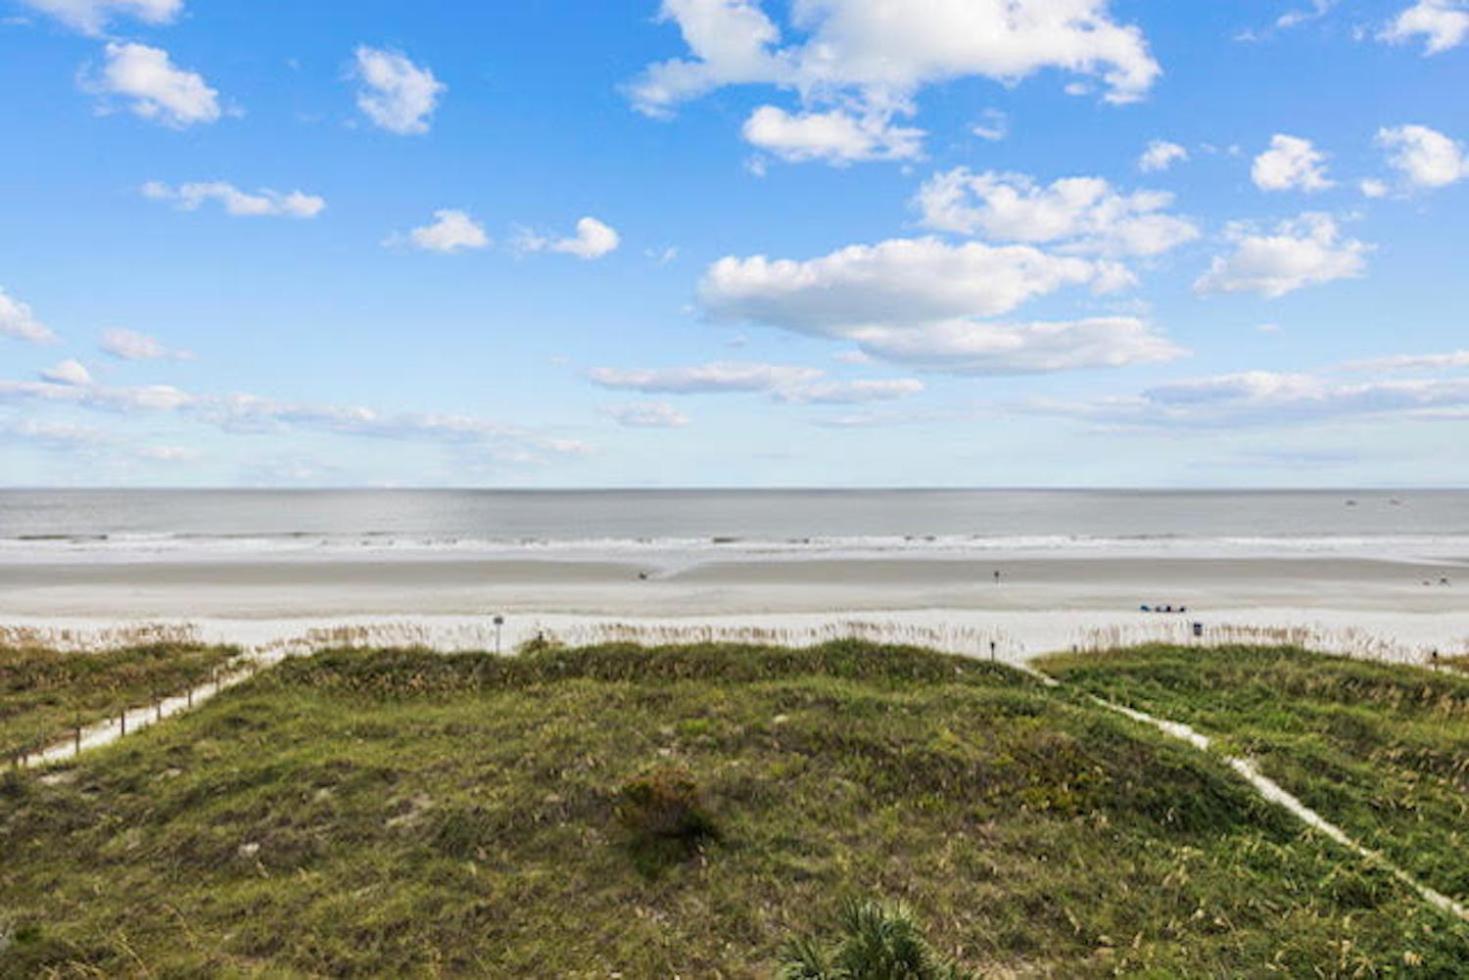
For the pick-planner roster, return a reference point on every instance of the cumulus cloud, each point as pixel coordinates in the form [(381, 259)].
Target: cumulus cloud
[(1305, 251), (927, 303), (155, 88), (1291, 163), (18, 321), (92, 16), (988, 348), (648, 415), (1442, 24), (872, 58), (837, 137), (396, 94), (1424, 158), (262, 203), (451, 231), (129, 345), (1160, 155), (1270, 398), (1081, 214), (593, 240), (901, 281), (68, 372)]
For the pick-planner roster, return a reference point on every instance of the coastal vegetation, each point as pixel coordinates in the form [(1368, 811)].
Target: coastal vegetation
[(46, 694), (706, 810), (1380, 750)]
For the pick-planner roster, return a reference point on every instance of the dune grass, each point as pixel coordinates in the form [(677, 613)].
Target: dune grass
[(1380, 750), (406, 813), (45, 694)]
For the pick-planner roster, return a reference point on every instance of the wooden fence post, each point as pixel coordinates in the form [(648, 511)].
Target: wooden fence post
[(122, 722)]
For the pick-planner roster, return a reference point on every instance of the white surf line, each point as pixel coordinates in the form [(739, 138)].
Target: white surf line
[(131, 720), (1273, 792)]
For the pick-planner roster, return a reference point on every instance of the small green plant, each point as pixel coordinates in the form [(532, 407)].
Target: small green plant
[(664, 815), (12, 785), (880, 941)]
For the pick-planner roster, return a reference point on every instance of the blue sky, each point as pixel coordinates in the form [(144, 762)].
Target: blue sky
[(731, 243)]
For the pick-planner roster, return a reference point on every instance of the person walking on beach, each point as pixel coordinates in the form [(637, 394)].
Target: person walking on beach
[(997, 576)]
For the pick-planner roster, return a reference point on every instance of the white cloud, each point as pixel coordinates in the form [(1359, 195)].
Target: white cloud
[(993, 125), (896, 281), (648, 415), (783, 382), (1411, 362), (1373, 188), (1306, 251), (1443, 24), (720, 377), (988, 348), (853, 392), (1270, 398), (452, 231), (65, 436), (396, 94), (837, 137), (168, 454), (129, 345), (593, 240), (1425, 158), (887, 54), (1082, 214), (1290, 163), (262, 203), (239, 413), (926, 303), (68, 372), (1161, 155), (92, 16), (157, 89), (133, 399), (871, 58), (17, 320), (1295, 18)]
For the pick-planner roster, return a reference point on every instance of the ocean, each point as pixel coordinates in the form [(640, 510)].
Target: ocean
[(62, 525)]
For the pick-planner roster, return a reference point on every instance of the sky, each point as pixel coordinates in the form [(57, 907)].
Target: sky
[(569, 243)]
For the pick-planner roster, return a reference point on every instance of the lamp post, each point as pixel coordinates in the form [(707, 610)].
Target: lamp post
[(499, 624)]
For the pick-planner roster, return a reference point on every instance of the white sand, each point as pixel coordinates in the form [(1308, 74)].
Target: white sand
[(1390, 609)]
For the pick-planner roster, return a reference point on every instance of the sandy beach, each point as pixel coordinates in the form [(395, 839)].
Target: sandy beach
[(1395, 609)]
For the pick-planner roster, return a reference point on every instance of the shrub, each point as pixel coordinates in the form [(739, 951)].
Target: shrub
[(12, 785), (664, 815), (879, 942)]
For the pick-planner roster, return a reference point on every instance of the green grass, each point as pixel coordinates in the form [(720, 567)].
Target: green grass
[(410, 814), (1380, 750), (43, 693)]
